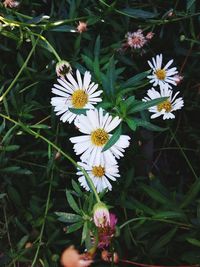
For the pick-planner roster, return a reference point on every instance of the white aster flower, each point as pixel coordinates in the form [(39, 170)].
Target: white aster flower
[(80, 94), (96, 126), (166, 107), (100, 175), (162, 75)]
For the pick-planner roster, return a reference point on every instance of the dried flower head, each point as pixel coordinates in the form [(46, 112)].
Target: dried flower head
[(82, 27), (11, 3), (106, 233), (63, 68), (136, 39), (71, 258)]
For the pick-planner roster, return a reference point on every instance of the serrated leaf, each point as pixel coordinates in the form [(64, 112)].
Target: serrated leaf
[(68, 217), (114, 138), (72, 202)]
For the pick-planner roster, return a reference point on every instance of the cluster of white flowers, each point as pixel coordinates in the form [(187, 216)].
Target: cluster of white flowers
[(164, 77), (96, 126)]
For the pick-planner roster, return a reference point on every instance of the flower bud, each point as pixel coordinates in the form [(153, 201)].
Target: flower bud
[(62, 68), (101, 215), (82, 27)]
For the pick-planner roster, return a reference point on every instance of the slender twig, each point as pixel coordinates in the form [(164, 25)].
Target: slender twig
[(184, 155)]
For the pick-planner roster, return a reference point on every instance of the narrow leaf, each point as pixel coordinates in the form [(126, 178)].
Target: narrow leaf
[(114, 138)]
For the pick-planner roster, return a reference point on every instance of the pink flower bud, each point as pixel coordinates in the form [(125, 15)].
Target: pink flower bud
[(82, 27), (101, 215)]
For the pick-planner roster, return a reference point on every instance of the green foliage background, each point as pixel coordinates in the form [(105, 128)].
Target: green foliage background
[(157, 199)]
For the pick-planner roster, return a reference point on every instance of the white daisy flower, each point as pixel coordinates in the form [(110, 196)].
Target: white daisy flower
[(100, 175), (80, 94), (165, 108), (96, 126), (161, 76)]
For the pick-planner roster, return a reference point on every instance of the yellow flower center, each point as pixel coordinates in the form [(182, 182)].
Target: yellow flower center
[(161, 74), (98, 171), (165, 105), (79, 98), (99, 137)]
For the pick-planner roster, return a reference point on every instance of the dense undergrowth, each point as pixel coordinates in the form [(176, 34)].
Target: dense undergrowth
[(157, 198)]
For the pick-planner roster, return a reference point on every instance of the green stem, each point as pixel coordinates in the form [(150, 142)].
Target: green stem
[(37, 135), (48, 44), (184, 155), (154, 219), (44, 221), (20, 71)]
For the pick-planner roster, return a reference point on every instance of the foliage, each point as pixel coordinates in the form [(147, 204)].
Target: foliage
[(156, 200)]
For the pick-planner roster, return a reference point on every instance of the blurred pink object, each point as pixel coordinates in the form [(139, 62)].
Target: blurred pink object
[(10, 3), (71, 258)]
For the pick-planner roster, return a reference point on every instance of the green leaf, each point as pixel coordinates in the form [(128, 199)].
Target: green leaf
[(63, 28), (193, 192), (193, 241), (9, 148), (84, 232), (156, 195), (114, 138), (97, 47), (135, 80), (74, 227), (88, 61), (76, 188), (190, 3), (68, 217), (149, 125), (168, 215), (22, 242), (138, 13), (163, 241), (131, 123), (78, 111), (145, 105), (72, 202)]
